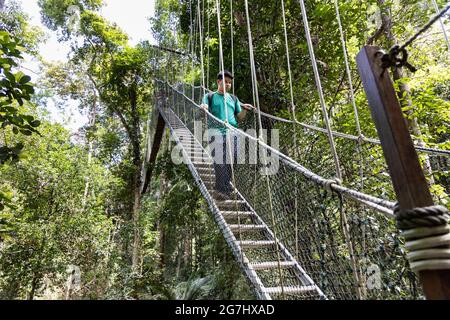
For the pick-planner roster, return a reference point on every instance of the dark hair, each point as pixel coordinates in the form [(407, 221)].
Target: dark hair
[(226, 73)]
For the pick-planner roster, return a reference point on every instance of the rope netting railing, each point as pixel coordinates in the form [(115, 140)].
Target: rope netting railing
[(346, 241), (363, 166)]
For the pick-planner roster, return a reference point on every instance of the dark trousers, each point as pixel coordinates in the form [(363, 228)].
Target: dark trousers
[(222, 162)]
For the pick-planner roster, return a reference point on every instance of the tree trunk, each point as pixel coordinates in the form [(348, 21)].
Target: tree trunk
[(34, 284), (137, 181), (187, 256), (92, 116), (137, 240)]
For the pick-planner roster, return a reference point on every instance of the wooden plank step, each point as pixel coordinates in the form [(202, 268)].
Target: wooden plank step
[(202, 164), (207, 175), (185, 136), (235, 214), (205, 159), (196, 151), (229, 203), (207, 169), (272, 265), (246, 227), (290, 289), (253, 244)]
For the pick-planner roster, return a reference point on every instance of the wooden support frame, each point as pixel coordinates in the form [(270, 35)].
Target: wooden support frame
[(406, 173)]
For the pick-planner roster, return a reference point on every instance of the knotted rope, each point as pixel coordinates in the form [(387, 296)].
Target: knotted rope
[(427, 236)]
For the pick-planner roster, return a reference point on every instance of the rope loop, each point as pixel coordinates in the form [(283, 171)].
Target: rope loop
[(327, 184), (392, 59), (427, 236), (431, 216), (361, 138)]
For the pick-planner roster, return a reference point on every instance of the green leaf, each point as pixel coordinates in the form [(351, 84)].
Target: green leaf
[(18, 147), (18, 76), (20, 48), (25, 79), (15, 130), (10, 77), (19, 100), (35, 123), (26, 132)]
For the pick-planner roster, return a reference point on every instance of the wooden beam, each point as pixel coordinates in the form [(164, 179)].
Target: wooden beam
[(406, 173)]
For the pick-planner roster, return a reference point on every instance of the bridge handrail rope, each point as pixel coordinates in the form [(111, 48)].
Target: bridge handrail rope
[(444, 32), (425, 27), (260, 136), (320, 90), (292, 111)]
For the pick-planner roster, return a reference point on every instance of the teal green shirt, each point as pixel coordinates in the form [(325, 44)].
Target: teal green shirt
[(217, 107)]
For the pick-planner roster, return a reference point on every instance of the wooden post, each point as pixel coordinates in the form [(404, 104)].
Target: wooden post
[(406, 173)]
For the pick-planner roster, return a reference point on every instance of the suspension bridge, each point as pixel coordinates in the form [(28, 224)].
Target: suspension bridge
[(315, 216)]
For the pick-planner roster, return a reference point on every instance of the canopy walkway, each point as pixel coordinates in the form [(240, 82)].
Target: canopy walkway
[(294, 233), (311, 215)]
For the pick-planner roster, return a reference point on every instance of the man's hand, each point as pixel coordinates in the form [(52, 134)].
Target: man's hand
[(204, 106), (247, 106)]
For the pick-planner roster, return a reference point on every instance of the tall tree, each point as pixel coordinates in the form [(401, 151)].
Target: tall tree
[(120, 76)]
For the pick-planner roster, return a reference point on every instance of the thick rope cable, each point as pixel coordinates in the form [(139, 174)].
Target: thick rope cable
[(444, 32), (208, 61), (255, 88), (193, 30), (228, 135), (345, 226), (202, 67), (347, 68), (253, 71), (291, 90), (294, 117), (320, 90), (232, 43), (425, 27), (427, 236)]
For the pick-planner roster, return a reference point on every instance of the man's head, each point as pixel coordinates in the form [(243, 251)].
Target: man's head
[(224, 78)]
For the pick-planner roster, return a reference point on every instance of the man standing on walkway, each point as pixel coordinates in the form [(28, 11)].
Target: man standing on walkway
[(215, 103)]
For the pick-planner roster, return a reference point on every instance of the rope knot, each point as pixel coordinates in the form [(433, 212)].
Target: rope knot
[(361, 138), (430, 216), (392, 59), (427, 236), (329, 182)]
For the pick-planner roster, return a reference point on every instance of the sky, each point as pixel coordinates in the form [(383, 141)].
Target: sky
[(130, 15)]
